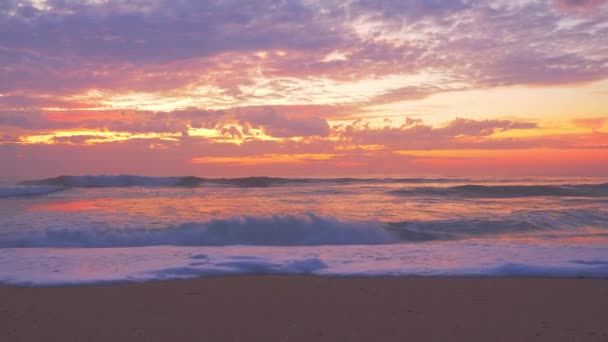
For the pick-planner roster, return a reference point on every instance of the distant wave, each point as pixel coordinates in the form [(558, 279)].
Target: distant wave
[(509, 191), (28, 191), (518, 222), (114, 181), (192, 181), (306, 230)]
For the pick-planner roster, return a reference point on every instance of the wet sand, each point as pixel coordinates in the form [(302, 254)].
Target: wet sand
[(306, 308)]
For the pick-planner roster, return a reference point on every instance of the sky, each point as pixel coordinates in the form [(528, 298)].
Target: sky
[(303, 88)]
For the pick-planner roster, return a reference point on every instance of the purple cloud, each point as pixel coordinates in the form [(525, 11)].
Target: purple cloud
[(278, 125), (272, 121), (73, 46), (579, 5), (459, 133)]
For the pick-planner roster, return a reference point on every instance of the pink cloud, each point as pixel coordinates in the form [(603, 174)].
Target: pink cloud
[(593, 123), (579, 5), (164, 46)]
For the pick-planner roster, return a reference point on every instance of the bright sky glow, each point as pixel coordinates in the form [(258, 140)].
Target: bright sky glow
[(235, 88)]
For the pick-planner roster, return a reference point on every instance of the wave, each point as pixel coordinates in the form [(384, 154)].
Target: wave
[(28, 191), (509, 191), (114, 181), (307, 230), (193, 181), (517, 222), (279, 230)]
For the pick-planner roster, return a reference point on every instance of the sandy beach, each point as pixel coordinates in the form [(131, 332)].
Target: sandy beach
[(306, 308)]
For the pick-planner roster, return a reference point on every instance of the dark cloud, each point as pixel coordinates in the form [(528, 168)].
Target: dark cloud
[(33, 121), (271, 120), (6, 138), (23, 102), (76, 139), (279, 125), (232, 131)]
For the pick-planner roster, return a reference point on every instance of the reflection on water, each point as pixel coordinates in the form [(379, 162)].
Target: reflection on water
[(344, 228), (575, 218)]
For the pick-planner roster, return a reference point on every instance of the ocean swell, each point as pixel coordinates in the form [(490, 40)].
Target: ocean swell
[(508, 191), (308, 230), (28, 191), (104, 181), (279, 230), (517, 222)]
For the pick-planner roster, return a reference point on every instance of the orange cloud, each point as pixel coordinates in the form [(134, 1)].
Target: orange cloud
[(263, 159), (593, 123)]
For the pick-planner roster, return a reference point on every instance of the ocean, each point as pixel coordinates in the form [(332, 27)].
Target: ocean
[(105, 229)]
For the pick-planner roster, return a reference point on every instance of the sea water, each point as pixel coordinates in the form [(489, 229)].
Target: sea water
[(97, 229)]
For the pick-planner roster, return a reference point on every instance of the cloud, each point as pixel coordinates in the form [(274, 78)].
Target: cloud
[(593, 123), (244, 125), (21, 102), (579, 5), (475, 128), (317, 156), (161, 31), (409, 9), (6, 138), (162, 47), (409, 93), (77, 139), (33, 121), (458, 133), (232, 131), (278, 125), (235, 122)]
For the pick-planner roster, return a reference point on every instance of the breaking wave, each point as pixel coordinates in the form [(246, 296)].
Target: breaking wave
[(517, 222), (509, 191), (192, 181), (307, 230), (280, 230)]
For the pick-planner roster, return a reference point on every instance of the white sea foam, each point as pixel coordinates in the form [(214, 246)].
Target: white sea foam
[(42, 266), (176, 227)]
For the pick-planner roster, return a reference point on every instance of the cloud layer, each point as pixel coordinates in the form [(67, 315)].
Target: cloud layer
[(70, 47), (202, 83)]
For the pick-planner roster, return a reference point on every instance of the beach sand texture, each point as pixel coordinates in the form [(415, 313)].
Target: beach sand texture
[(308, 308)]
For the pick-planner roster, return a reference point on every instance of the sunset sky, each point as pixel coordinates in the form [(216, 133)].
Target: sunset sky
[(318, 88)]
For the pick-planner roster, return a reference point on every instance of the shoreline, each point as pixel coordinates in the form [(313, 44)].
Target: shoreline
[(311, 308), (126, 283)]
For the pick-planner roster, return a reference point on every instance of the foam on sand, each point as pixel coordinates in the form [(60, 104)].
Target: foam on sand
[(52, 266)]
